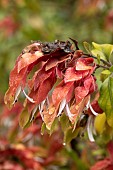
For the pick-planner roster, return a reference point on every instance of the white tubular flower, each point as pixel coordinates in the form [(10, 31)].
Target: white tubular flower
[(91, 108), (90, 128), (87, 105), (33, 113), (29, 98), (68, 112), (17, 94), (41, 106), (61, 108)]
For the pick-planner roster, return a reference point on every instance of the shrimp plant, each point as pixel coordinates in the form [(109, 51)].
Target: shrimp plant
[(68, 87)]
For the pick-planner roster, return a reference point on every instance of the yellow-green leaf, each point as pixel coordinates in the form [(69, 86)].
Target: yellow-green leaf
[(99, 123), (104, 74), (70, 134), (65, 123), (111, 68), (43, 128), (24, 118), (110, 88), (103, 50)]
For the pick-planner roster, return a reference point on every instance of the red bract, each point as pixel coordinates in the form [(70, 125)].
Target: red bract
[(61, 92), (62, 83), (74, 75), (84, 64)]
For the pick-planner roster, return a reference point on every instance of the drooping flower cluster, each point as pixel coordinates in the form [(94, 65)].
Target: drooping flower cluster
[(62, 83)]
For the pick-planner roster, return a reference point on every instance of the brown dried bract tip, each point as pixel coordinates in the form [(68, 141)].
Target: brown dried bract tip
[(48, 47)]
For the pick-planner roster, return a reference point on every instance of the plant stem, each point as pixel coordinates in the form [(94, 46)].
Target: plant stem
[(105, 67)]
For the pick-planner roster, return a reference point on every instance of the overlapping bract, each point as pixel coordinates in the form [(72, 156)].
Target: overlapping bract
[(62, 83)]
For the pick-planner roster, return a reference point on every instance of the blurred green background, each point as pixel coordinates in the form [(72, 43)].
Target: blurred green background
[(24, 20)]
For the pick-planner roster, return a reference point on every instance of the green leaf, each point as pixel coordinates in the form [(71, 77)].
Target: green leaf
[(110, 88), (65, 123), (96, 52), (28, 124), (43, 128), (104, 75), (24, 118), (106, 99), (12, 136), (54, 126), (111, 69), (70, 134), (107, 134), (103, 50), (106, 72), (87, 46)]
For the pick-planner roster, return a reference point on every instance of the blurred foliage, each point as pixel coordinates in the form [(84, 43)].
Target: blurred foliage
[(22, 21), (28, 149)]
